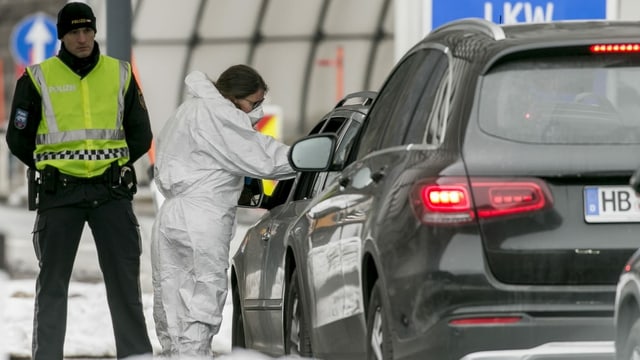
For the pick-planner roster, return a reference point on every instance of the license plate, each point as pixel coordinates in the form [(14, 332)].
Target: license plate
[(611, 204)]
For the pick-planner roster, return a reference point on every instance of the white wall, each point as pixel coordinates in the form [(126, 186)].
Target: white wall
[(629, 10)]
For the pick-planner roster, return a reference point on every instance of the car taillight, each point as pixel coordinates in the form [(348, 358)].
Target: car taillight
[(458, 200), (614, 48), (498, 320)]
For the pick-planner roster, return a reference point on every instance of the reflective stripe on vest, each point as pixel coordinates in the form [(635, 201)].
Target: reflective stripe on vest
[(90, 135)]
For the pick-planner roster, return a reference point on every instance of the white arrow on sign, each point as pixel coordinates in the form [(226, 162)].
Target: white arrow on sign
[(38, 37)]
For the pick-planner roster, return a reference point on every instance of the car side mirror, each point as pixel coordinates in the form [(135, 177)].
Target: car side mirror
[(313, 153), (634, 181), (252, 193)]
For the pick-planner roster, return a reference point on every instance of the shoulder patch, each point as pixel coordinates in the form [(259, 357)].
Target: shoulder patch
[(20, 119)]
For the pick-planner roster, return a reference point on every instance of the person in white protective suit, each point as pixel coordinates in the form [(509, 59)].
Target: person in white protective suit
[(203, 153)]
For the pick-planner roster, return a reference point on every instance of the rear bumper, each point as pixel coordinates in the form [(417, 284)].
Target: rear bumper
[(531, 338), (460, 286), (587, 350)]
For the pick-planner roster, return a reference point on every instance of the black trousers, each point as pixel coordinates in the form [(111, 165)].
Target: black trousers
[(56, 237)]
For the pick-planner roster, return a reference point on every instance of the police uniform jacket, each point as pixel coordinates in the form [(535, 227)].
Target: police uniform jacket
[(26, 112)]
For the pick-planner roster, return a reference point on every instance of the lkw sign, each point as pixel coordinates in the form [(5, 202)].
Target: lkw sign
[(512, 12)]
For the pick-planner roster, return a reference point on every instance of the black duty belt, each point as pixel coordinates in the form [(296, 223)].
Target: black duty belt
[(68, 179)]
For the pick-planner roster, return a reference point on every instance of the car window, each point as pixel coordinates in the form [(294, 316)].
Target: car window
[(279, 195), (306, 184), (346, 143), (430, 117), (392, 99), (420, 89), (283, 188), (567, 99), (316, 129), (333, 125)]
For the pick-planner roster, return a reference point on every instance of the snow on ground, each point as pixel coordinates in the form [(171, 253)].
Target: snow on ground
[(89, 331)]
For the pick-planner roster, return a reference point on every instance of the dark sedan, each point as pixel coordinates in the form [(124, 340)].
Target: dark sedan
[(267, 310)]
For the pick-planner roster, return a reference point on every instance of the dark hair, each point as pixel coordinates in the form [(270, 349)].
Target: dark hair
[(240, 81)]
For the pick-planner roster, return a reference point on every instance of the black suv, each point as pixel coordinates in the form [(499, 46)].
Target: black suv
[(485, 205)]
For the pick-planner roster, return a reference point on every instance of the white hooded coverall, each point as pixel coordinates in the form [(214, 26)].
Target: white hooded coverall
[(203, 153)]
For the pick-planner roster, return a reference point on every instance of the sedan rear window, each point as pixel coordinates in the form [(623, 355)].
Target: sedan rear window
[(585, 99)]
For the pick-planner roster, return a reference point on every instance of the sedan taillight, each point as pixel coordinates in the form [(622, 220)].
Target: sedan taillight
[(451, 200)]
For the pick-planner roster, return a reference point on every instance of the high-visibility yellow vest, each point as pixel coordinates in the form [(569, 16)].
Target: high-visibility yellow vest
[(81, 130)]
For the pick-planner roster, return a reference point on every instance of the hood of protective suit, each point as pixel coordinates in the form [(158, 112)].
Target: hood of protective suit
[(208, 146)]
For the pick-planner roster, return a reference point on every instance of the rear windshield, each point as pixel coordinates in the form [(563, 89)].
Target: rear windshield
[(586, 99)]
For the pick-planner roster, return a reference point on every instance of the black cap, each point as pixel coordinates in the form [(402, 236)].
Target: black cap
[(73, 16)]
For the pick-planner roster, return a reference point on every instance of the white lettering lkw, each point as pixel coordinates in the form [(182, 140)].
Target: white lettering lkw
[(512, 11)]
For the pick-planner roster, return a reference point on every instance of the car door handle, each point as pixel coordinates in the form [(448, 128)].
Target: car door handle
[(266, 235)]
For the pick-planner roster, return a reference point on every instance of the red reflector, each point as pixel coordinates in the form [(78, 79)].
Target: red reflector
[(450, 200), (615, 48), (486, 321), (627, 268)]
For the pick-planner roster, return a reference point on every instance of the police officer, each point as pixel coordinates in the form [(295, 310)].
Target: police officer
[(79, 118)]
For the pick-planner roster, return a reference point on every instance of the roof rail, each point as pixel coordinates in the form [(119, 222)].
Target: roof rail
[(479, 24), (357, 98)]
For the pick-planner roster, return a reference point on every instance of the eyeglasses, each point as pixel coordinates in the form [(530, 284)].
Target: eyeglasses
[(254, 105)]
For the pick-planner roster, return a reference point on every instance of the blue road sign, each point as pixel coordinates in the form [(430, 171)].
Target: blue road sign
[(34, 39), (510, 12)]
